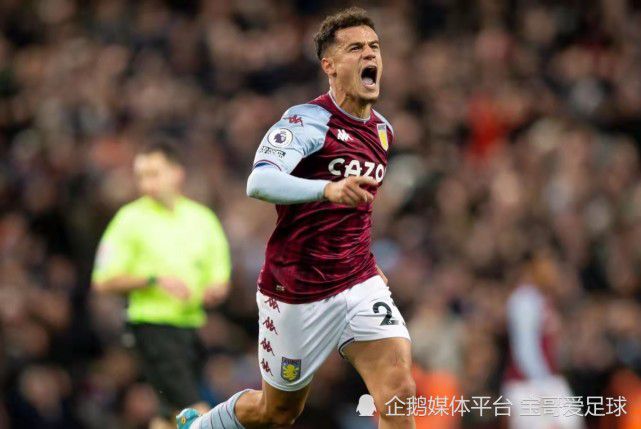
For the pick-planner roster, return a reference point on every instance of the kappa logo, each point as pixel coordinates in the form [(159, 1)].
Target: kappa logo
[(265, 365), (267, 346), (295, 119), (273, 304), (343, 136), (290, 369), (269, 324)]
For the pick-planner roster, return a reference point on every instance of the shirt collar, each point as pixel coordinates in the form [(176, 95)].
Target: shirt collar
[(344, 112), (157, 206)]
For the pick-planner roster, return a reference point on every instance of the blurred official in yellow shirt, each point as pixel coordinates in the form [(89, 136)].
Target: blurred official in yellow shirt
[(170, 257)]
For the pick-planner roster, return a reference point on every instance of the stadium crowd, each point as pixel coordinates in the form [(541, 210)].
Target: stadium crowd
[(518, 126)]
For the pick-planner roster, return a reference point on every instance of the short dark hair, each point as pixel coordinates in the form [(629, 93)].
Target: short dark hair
[(168, 149), (351, 17)]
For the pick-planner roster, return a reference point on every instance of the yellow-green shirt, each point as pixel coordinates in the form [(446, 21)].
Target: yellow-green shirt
[(147, 239)]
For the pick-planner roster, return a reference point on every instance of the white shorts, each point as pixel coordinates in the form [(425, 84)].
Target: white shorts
[(295, 339)]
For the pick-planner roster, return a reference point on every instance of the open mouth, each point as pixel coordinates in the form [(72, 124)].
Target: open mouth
[(368, 76)]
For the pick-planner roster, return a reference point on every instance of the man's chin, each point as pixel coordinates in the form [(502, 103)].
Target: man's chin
[(368, 96)]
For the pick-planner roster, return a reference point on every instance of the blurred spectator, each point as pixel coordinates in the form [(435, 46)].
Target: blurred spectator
[(533, 334)]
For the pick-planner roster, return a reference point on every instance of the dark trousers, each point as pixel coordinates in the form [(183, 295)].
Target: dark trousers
[(172, 360)]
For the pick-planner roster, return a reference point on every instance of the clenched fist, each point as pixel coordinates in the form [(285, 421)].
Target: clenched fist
[(349, 191)]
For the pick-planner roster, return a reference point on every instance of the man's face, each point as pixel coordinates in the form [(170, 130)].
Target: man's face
[(355, 61), (156, 176)]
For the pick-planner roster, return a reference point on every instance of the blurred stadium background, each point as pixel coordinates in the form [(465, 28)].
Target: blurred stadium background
[(518, 127)]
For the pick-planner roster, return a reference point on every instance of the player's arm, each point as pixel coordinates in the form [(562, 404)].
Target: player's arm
[(524, 317), (124, 284), (282, 148), (116, 251), (267, 183), (120, 284)]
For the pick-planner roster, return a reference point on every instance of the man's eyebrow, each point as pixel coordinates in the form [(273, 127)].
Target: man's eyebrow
[(349, 45)]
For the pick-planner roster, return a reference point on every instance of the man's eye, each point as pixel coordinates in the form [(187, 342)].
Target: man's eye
[(354, 48)]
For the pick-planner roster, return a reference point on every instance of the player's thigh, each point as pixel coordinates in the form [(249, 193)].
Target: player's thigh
[(377, 343), (385, 366), (372, 314), (295, 339)]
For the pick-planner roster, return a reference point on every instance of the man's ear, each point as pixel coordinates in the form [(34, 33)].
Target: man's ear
[(181, 175), (327, 64)]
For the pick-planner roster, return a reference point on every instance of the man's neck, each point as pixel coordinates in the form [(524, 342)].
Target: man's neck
[(350, 104), (168, 202)]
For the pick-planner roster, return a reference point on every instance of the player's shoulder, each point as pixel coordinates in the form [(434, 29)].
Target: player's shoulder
[(383, 119), (130, 214), (305, 124), (132, 208), (525, 295), (301, 114), (195, 207)]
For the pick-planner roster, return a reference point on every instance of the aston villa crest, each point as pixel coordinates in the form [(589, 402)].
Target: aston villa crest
[(382, 135), (290, 369)]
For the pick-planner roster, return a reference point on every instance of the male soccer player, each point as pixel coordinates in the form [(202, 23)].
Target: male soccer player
[(169, 255), (320, 288), (533, 330)]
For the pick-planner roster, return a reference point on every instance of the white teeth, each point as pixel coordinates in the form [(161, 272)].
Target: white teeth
[(368, 81)]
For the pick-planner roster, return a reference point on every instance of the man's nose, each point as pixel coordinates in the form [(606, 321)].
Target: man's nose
[(368, 53)]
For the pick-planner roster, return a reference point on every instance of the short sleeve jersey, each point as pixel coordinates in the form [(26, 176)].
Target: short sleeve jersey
[(146, 239), (320, 248)]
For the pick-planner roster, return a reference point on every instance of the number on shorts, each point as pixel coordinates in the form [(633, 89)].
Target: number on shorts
[(387, 320)]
